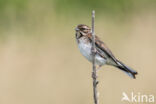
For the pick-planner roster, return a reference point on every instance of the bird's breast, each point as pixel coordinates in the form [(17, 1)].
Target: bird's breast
[(85, 49)]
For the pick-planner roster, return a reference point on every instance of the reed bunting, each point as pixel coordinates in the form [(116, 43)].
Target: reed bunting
[(103, 54)]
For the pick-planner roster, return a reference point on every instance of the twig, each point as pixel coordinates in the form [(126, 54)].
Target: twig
[(94, 74)]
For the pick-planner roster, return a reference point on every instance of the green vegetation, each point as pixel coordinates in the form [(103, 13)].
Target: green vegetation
[(70, 7)]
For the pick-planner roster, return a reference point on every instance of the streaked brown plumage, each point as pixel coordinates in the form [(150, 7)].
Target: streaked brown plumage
[(103, 53)]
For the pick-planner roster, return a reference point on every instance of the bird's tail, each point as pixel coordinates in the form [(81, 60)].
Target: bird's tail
[(126, 69)]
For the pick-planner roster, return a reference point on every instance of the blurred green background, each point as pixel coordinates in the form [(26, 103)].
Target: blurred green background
[(41, 64)]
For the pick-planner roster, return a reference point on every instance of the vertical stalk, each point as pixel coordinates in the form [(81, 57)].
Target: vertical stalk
[(94, 73)]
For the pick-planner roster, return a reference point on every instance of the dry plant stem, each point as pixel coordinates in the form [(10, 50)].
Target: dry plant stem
[(94, 74)]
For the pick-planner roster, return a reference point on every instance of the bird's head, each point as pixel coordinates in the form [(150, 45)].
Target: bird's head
[(82, 30)]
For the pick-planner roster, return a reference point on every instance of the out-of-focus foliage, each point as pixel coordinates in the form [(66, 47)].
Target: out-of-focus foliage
[(81, 6), (41, 64)]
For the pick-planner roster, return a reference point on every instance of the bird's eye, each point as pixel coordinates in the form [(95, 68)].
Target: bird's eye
[(82, 28)]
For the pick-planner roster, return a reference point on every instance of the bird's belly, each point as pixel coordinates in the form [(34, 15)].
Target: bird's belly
[(85, 50), (99, 60)]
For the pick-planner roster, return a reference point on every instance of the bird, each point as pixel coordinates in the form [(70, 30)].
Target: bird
[(103, 55)]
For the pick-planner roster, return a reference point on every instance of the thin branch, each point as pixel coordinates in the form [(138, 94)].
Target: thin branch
[(94, 74)]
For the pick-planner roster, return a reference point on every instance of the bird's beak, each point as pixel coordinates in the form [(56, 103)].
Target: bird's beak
[(76, 29)]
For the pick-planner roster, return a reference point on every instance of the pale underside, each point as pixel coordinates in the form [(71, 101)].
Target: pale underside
[(85, 49)]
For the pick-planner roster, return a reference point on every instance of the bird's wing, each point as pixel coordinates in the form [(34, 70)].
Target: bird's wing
[(101, 46)]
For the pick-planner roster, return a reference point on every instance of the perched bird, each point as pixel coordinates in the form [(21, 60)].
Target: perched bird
[(102, 55)]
